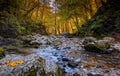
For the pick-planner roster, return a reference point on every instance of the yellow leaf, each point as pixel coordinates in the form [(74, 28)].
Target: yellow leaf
[(15, 63)]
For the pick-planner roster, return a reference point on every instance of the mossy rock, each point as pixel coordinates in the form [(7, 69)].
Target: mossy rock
[(105, 46), (35, 45), (17, 50), (27, 40), (96, 48), (2, 53)]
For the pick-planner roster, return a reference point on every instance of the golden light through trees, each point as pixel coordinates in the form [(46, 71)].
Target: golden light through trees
[(57, 15)]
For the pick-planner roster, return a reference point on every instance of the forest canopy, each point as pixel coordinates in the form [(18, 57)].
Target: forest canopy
[(50, 16)]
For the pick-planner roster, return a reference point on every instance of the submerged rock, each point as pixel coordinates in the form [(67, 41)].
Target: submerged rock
[(72, 64), (32, 65), (65, 59)]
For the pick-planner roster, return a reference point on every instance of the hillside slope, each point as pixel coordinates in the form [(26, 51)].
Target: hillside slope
[(106, 22)]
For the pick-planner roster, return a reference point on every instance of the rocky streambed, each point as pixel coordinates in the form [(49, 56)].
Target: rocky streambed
[(60, 56)]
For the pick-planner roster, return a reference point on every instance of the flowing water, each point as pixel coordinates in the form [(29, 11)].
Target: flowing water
[(77, 62)]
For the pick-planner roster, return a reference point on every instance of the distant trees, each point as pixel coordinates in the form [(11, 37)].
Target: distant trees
[(11, 6), (25, 7), (27, 14), (58, 15), (77, 12)]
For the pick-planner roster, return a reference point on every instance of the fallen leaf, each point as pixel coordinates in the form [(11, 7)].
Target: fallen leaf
[(15, 63)]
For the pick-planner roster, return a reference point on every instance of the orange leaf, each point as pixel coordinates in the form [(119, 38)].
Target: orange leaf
[(15, 63)]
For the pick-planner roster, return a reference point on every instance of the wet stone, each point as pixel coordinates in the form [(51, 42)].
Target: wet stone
[(65, 59), (72, 64), (55, 54), (90, 74), (76, 74), (67, 48), (77, 60)]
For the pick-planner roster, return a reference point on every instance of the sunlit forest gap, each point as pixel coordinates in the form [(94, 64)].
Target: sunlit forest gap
[(55, 16), (65, 16)]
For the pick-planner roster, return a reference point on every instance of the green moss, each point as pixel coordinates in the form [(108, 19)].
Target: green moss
[(97, 48), (2, 52), (105, 46), (60, 72), (92, 48), (26, 40), (41, 71)]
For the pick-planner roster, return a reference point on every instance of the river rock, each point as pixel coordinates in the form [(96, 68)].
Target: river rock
[(94, 48), (56, 40), (72, 64), (51, 68), (65, 59), (54, 37), (40, 40), (88, 40), (67, 34), (32, 65), (27, 39), (105, 42), (116, 46), (35, 40), (99, 46)]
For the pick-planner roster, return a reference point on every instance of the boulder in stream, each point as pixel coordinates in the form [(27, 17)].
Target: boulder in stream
[(99, 46), (30, 65)]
